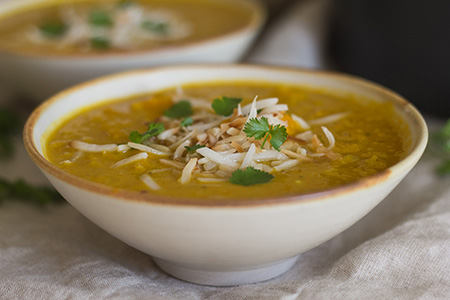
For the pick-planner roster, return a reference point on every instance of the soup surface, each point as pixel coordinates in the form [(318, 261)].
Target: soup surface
[(202, 141), (98, 26)]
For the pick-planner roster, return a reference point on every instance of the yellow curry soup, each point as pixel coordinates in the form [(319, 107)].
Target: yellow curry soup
[(99, 26), (327, 140)]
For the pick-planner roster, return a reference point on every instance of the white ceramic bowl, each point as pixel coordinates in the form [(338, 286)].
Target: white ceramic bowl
[(223, 243), (40, 76)]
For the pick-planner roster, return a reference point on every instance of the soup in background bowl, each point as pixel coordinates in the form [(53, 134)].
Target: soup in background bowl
[(225, 174), (48, 45)]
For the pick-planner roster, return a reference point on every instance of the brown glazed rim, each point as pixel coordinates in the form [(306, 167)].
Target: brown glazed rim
[(411, 115), (258, 18)]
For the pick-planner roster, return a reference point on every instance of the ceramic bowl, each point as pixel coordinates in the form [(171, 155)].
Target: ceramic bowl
[(223, 243), (38, 76)]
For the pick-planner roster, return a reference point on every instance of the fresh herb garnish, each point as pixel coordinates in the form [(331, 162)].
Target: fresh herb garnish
[(186, 122), (10, 124), (180, 109), (261, 129), (153, 129), (21, 190), (158, 27), (193, 148), (125, 3), (440, 141), (225, 106), (100, 42), (53, 28), (250, 176), (100, 18)]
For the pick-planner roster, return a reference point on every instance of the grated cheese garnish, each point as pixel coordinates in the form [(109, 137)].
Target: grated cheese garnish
[(131, 159), (213, 146)]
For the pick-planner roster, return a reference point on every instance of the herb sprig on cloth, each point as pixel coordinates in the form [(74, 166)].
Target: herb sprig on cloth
[(10, 124), (440, 142), (26, 192)]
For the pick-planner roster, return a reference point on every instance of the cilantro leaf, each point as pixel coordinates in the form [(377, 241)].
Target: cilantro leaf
[(53, 28), (153, 129), (257, 128), (100, 42), (179, 110), (250, 176), (157, 27), (278, 135), (262, 129), (225, 106), (194, 148), (186, 122), (100, 18), (125, 3)]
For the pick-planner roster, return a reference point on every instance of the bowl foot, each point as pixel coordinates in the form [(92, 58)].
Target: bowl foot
[(226, 278)]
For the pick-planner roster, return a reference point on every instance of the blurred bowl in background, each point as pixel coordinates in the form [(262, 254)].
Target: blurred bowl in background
[(227, 29)]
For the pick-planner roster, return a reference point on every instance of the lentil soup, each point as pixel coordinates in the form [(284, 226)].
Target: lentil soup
[(230, 140)]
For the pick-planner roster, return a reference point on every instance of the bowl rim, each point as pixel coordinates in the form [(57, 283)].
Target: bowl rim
[(256, 23), (415, 152)]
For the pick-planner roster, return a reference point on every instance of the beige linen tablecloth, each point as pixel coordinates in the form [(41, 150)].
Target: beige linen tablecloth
[(401, 250)]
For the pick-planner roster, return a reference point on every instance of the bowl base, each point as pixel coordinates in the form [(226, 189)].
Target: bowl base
[(226, 278)]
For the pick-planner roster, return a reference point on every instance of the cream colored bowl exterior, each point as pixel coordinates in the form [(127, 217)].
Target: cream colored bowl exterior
[(223, 244), (40, 76)]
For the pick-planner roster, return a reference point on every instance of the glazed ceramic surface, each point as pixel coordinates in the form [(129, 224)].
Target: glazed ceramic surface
[(226, 244), (40, 76)]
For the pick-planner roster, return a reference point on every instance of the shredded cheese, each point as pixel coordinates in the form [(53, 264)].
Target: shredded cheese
[(131, 159), (328, 119), (148, 181), (218, 146), (187, 171), (146, 149), (86, 147)]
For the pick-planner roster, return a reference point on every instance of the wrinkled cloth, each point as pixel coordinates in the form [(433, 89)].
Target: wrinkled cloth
[(400, 250)]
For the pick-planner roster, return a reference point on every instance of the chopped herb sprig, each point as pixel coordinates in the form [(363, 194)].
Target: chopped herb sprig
[(260, 128), (193, 148), (250, 176), (125, 3), (100, 43), (53, 28), (100, 18), (225, 106), (156, 27), (186, 122), (153, 129), (180, 109)]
